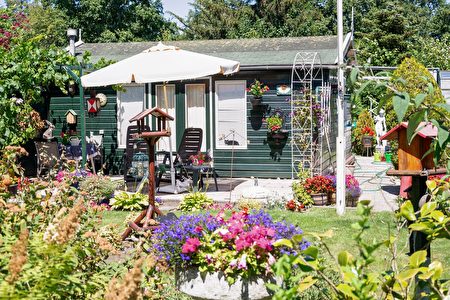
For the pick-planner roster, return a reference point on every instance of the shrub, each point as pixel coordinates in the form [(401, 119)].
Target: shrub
[(364, 124), (51, 246), (413, 78), (129, 201), (98, 187), (301, 196), (195, 201), (319, 184)]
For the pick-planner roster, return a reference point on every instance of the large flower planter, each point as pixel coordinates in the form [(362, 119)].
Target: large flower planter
[(277, 139), (351, 201), (320, 199), (214, 286)]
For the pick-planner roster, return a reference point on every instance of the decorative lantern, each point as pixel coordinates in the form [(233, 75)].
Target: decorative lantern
[(139, 165), (93, 105), (71, 117)]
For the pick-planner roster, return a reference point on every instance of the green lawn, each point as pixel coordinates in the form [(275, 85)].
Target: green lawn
[(323, 219)]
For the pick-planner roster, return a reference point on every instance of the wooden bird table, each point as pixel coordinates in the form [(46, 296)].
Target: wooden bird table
[(151, 137)]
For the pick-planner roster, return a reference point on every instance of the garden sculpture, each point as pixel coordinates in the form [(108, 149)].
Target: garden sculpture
[(380, 126)]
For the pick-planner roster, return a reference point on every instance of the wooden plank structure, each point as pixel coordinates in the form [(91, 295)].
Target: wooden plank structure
[(151, 137), (414, 170), (410, 156)]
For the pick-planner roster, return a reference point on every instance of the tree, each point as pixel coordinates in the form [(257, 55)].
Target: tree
[(413, 78), (28, 70), (99, 20)]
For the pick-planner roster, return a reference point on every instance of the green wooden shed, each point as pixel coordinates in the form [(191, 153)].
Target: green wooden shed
[(235, 131)]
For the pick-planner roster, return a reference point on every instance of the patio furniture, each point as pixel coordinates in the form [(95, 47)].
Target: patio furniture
[(47, 155), (191, 143), (133, 146), (199, 172)]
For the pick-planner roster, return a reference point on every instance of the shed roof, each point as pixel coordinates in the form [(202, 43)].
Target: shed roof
[(249, 52), (427, 130)]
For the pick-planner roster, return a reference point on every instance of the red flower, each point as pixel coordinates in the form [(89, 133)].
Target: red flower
[(198, 229), (190, 246), (368, 131)]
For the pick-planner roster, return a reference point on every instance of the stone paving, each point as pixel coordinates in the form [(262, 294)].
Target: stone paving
[(382, 190)]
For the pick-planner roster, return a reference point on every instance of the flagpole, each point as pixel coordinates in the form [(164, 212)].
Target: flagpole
[(340, 140)]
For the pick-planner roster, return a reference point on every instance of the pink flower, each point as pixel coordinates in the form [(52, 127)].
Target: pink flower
[(198, 229), (243, 262), (190, 246)]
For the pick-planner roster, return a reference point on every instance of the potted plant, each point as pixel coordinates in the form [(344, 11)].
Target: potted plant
[(275, 135), (352, 190), (367, 137), (257, 89), (223, 258), (319, 187)]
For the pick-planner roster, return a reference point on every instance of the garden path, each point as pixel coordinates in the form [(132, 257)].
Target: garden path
[(376, 186)]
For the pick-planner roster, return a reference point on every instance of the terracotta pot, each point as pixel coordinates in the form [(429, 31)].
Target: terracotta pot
[(320, 199)]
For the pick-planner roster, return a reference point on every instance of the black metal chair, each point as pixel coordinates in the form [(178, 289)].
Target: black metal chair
[(191, 143), (47, 155), (133, 146)]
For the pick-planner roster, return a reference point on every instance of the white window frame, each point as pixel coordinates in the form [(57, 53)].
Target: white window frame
[(173, 125), (203, 149), (244, 115), (119, 106)]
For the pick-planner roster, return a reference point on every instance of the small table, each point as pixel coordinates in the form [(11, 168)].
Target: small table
[(198, 172)]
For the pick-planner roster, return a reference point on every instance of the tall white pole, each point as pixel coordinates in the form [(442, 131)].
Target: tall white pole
[(340, 140)]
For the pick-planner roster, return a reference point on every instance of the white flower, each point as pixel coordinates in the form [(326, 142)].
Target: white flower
[(271, 260), (243, 262)]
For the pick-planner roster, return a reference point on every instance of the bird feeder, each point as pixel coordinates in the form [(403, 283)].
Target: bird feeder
[(151, 137), (71, 117), (414, 169)]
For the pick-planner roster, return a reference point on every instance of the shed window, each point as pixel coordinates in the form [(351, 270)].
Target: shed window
[(195, 109), (163, 143), (231, 114), (129, 103)]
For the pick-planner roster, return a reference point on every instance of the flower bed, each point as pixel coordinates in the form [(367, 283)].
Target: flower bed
[(239, 247)]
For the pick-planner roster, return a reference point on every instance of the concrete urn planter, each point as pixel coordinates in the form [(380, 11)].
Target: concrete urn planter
[(213, 286)]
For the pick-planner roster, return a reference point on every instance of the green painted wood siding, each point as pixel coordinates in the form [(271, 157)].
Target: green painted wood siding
[(105, 120), (256, 160)]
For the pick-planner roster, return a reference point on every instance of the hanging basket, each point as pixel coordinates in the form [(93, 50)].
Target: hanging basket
[(256, 101), (277, 139)]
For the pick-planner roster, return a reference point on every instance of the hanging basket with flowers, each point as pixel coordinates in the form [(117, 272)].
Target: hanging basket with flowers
[(257, 89), (276, 136)]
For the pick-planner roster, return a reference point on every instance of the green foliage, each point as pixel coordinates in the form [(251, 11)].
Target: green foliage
[(129, 201), (51, 246), (98, 187), (410, 80), (195, 201), (300, 194), (27, 73), (113, 21), (357, 280), (364, 120)]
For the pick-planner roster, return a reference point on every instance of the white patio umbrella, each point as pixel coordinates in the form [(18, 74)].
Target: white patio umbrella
[(160, 63)]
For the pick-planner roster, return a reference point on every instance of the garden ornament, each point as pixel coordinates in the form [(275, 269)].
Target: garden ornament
[(380, 125)]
